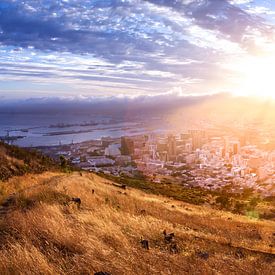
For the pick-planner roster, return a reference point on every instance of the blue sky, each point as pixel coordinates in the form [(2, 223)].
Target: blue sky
[(81, 48)]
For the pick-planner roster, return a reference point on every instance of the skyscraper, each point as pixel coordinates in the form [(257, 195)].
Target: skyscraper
[(127, 146), (172, 147), (198, 137)]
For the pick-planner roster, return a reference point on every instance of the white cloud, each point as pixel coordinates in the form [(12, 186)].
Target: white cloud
[(240, 2), (260, 10)]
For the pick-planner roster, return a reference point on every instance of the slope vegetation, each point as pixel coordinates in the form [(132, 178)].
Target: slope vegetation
[(41, 232), (15, 161)]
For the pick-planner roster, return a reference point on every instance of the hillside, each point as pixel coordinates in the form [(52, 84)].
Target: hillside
[(41, 234), (15, 161)]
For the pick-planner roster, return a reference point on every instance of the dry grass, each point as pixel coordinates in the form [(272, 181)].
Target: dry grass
[(15, 161), (44, 236)]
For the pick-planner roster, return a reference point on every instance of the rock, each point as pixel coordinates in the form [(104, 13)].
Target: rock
[(202, 254), (239, 254)]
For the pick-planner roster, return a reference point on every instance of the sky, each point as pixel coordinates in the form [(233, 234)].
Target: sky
[(129, 48)]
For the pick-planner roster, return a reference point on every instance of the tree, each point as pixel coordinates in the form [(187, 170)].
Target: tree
[(224, 202), (63, 162), (239, 207)]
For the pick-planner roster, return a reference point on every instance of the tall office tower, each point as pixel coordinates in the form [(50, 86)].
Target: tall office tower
[(236, 148), (198, 137), (127, 146), (172, 147)]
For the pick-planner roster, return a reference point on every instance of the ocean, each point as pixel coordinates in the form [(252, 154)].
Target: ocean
[(47, 130)]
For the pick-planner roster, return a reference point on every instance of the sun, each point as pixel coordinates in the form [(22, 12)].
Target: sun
[(260, 78), (256, 77)]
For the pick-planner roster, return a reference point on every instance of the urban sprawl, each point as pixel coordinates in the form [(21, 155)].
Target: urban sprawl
[(196, 158)]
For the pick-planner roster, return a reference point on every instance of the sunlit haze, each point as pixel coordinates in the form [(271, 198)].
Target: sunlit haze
[(255, 76)]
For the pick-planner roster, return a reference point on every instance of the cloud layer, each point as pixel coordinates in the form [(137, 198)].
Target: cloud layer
[(111, 105), (129, 47)]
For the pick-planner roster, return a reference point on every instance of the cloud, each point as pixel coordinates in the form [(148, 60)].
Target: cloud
[(122, 46), (137, 105), (240, 2)]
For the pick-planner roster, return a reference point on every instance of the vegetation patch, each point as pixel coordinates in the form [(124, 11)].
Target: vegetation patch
[(16, 161), (237, 203), (48, 196)]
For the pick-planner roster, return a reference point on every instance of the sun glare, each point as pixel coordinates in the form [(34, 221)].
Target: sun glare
[(257, 77)]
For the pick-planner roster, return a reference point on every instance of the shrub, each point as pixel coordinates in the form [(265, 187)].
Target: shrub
[(224, 202)]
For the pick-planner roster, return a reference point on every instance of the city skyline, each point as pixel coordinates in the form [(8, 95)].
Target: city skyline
[(90, 49)]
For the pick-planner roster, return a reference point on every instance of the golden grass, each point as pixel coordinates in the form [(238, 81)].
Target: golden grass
[(48, 237)]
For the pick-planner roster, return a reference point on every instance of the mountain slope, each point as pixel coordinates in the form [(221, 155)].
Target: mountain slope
[(41, 233), (15, 161)]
